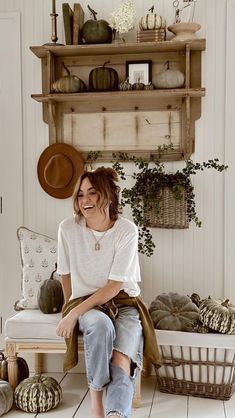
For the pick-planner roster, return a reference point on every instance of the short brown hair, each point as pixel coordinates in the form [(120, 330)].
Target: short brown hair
[(104, 182)]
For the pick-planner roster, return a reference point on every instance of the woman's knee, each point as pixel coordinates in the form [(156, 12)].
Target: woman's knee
[(98, 323), (121, 360)]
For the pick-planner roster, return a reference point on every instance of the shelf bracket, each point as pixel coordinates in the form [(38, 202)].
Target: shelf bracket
[(52, 122)]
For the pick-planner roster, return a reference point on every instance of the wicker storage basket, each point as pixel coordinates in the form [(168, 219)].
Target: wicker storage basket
[(172, 213), (205, 369), (155, 35)]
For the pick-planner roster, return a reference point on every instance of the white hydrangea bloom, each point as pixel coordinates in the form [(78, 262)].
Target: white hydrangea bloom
[(122, 19)]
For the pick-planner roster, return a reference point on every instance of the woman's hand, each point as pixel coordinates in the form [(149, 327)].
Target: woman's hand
[(67, 324)]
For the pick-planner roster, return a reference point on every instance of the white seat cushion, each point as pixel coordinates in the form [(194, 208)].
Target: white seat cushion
[(32, 324)]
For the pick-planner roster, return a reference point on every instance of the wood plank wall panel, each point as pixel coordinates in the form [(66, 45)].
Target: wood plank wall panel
[(184, 261)]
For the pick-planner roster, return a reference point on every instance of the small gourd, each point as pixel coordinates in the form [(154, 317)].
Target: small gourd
[(38, 394), (175, 312), (103, 78), (152, 21), (149, 86), (22, 366), (50, 295), (218, 315), (125, 85), (96, 31), (138, 85), (6, 397), (68, 83), (169, 79)]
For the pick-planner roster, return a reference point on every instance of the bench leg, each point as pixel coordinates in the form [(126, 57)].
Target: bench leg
[(39, 363), (12, 364)]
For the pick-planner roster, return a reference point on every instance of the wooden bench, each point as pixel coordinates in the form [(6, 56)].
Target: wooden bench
[(39, 346)]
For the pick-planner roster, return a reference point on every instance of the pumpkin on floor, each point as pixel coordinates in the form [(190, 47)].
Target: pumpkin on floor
[(50, 295), (96, 31), (175, 312), (23, 370), (38, 394), (218, 315), (6, 397), (103, 78)]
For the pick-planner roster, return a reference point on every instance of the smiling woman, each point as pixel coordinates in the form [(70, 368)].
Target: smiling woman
[(99, 268)]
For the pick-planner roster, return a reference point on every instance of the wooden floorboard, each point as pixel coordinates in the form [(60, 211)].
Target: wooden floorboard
[(169, 406), (205, 408)]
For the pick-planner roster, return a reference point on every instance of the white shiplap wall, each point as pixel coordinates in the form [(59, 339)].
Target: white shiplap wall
[(185, 261)]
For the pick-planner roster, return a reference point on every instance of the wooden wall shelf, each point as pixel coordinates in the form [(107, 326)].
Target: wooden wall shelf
[(81, 59)]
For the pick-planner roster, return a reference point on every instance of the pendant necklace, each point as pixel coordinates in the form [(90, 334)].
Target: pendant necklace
[(97, 241)]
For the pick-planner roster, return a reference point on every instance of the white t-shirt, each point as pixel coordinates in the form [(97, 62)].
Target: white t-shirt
[(90, 270)]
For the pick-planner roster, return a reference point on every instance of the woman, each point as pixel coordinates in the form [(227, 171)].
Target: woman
[(99, 268)]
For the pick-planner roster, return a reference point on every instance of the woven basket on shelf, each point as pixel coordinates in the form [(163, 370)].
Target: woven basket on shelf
[(155, 35), (171, 213)]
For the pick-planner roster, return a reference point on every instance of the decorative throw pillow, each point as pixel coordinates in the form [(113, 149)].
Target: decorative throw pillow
[(38, 258)]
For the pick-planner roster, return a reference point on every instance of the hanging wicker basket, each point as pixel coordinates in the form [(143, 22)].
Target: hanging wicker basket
[(167, 211)]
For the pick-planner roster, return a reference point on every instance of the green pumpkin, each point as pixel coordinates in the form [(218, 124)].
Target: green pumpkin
[(6, 397), (103, 79), (96, 31), (23, 370), (68, 83), (175, 312), (38, 394), (50, 296)]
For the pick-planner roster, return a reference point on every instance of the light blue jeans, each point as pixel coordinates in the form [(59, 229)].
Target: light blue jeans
[(101, 336)]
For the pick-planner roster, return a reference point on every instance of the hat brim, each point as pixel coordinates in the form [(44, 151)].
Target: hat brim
[(78, 168)]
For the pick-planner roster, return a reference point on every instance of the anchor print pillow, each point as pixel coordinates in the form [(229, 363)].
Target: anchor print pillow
[(38, 258)]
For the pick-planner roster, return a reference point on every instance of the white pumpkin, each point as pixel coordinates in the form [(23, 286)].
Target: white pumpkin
[(6, 397), (168, 79), (152, 21)]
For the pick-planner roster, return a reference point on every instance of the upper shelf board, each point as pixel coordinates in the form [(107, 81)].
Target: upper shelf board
[(112, 49)]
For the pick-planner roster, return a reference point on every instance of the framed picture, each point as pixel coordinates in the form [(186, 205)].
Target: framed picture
[(139, 71)]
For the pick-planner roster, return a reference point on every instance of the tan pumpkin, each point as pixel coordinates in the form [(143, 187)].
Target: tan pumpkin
[(68, 83), (152, 21), (175, 312), (218, 314), (38, 394), (168, 79), (6, 397)]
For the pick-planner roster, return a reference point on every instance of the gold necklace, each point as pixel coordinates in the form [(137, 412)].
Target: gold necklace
[(97, 241)]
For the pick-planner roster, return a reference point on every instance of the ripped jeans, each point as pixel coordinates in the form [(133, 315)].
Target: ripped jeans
[(101, 336)]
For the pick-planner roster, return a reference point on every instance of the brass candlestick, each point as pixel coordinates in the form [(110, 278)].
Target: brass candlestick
[(53, 15)]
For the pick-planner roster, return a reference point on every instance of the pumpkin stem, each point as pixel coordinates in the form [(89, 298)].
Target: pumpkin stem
[(52, 274), (106, 62), (167, 63), (225, 303), (93, 12), (66, 69), (151, 9)]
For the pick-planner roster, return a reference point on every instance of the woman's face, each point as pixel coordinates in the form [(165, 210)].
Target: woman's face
[(87, 198)]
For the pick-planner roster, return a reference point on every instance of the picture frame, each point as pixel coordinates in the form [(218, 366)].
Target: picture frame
[(139, 71)]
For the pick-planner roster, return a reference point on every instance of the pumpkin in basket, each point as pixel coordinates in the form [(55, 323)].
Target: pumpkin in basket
[(6, 397), (152, 21), (103, 78), (23, 370), (218, 315), (38, 394), (50, 295), (175, 312), (68, 83)]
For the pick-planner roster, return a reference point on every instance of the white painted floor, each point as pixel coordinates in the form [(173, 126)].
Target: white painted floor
[(154, 404)]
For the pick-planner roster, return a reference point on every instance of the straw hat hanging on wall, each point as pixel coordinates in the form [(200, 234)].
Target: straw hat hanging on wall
[(59, 167)]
